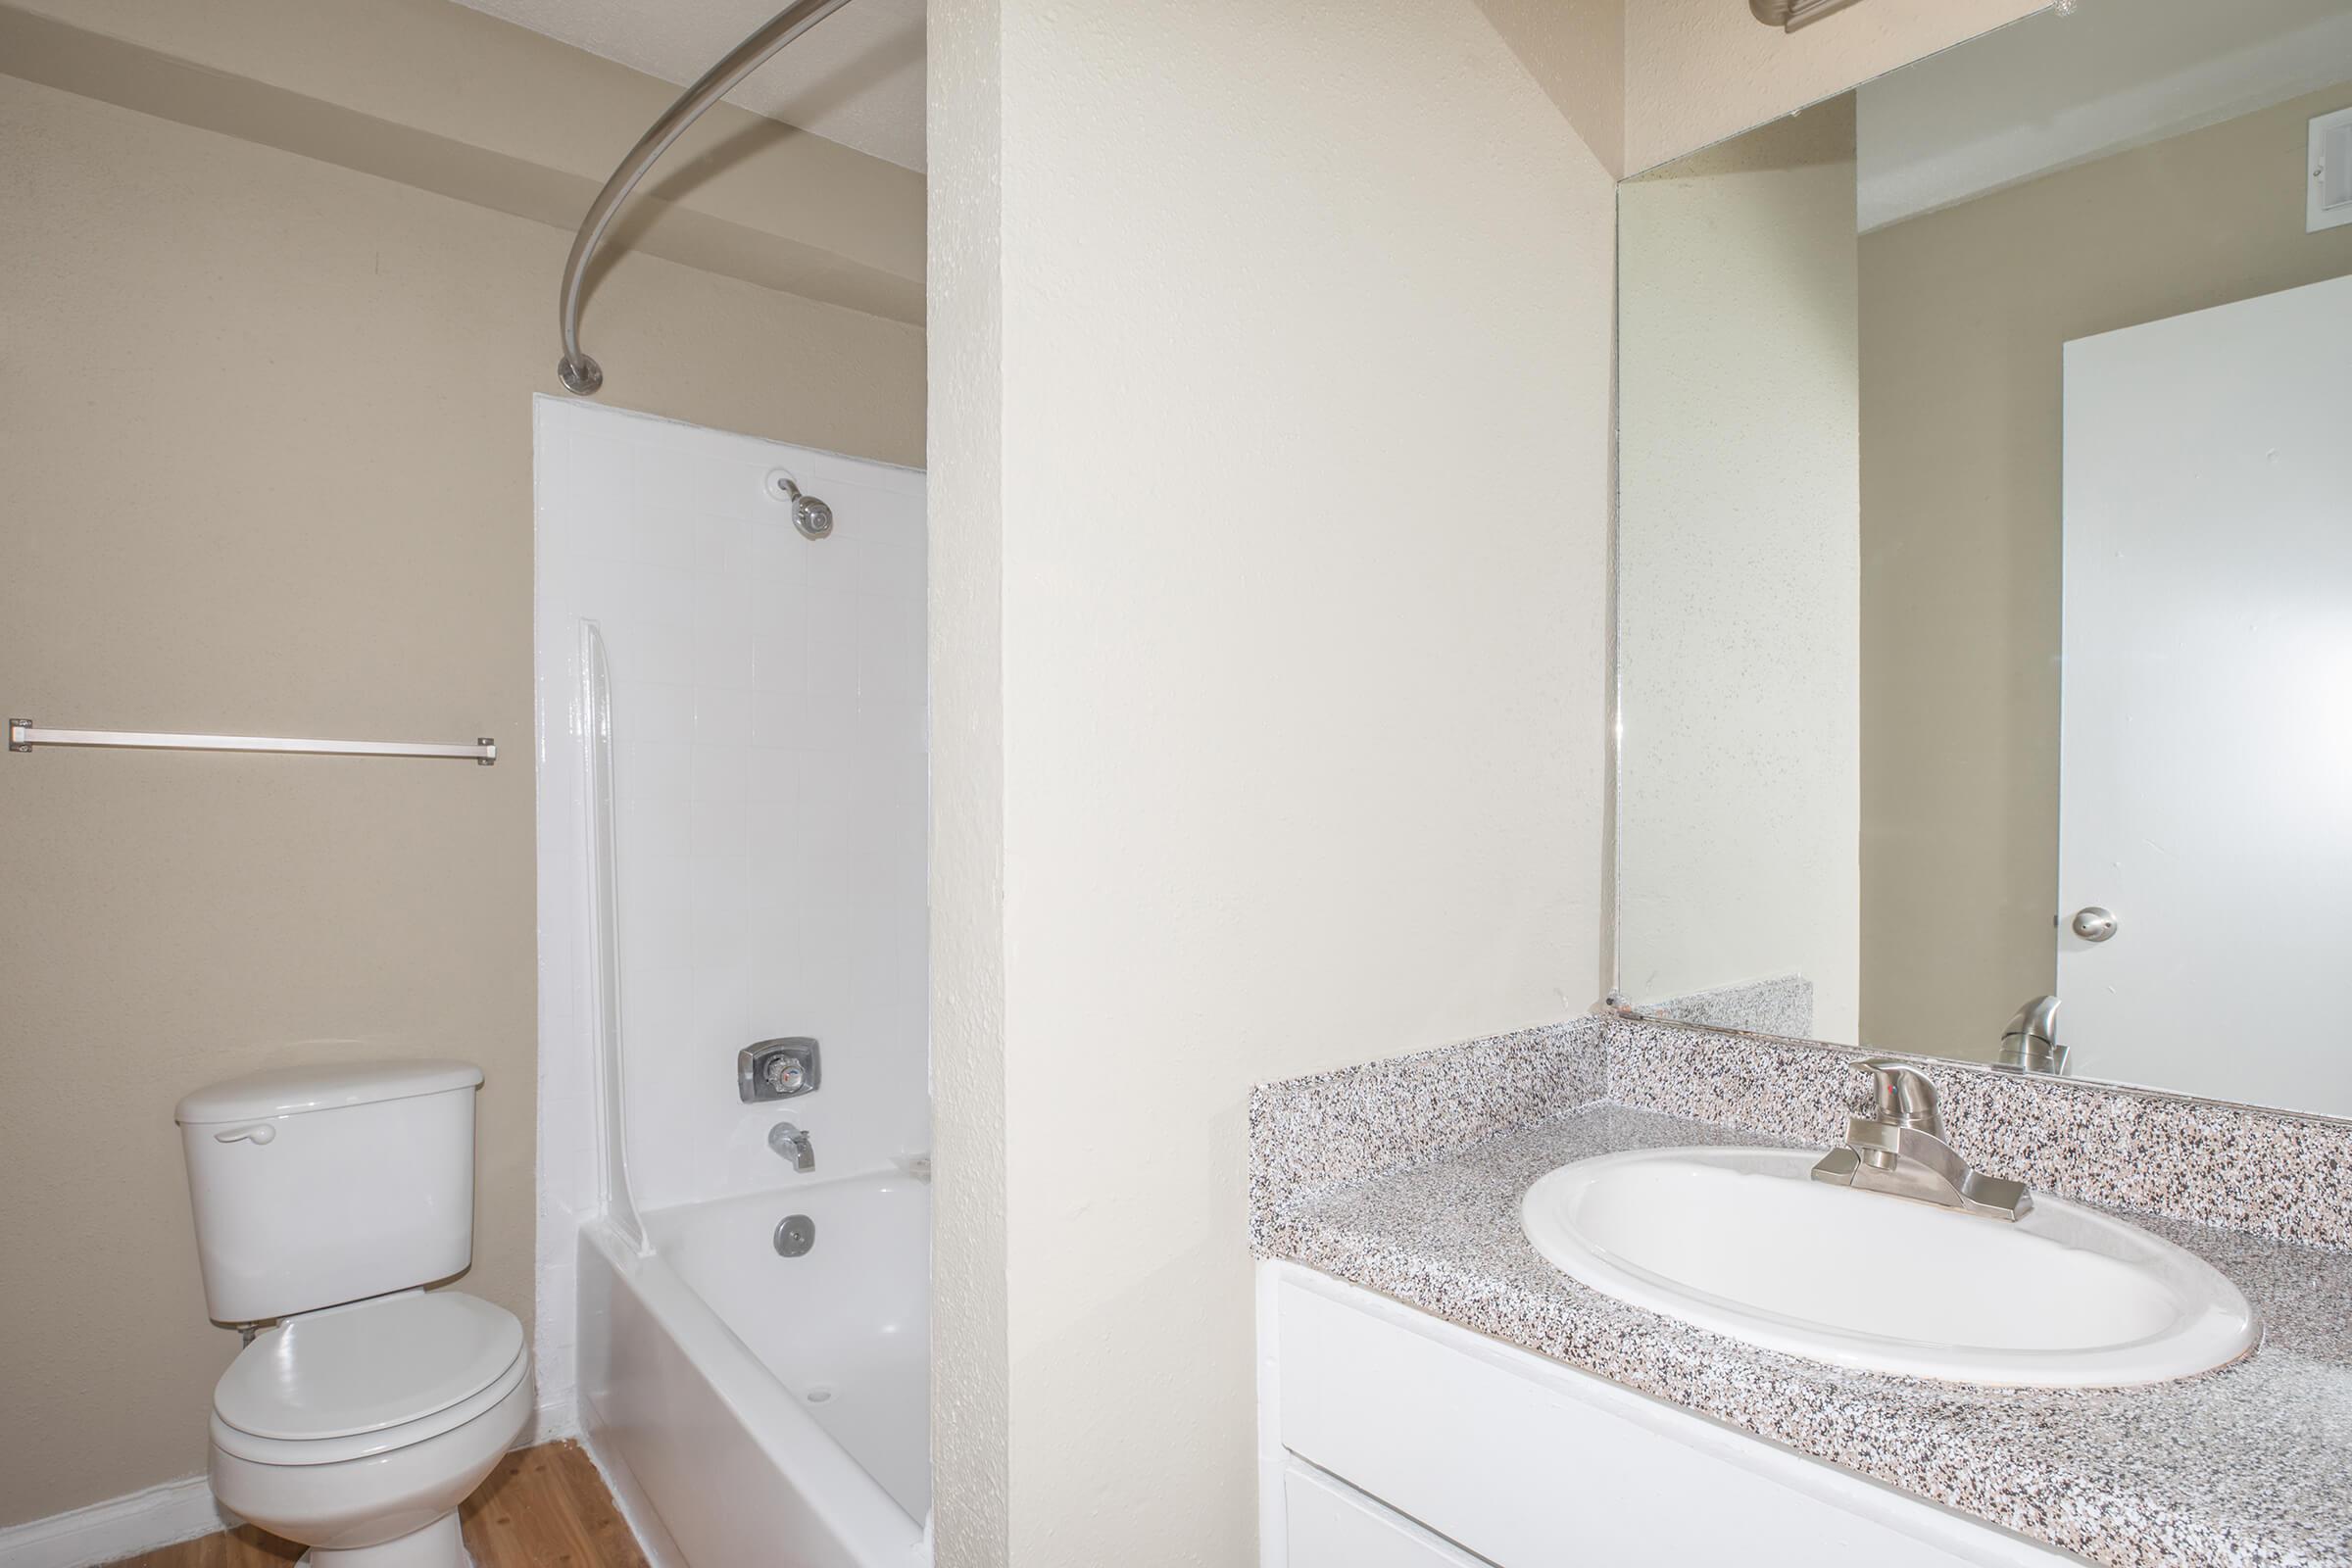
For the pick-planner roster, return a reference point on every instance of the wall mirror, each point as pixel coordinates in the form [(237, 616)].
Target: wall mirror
[(1985, 559)]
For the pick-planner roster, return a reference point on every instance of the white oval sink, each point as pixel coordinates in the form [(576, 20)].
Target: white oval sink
[(1742, 1242)]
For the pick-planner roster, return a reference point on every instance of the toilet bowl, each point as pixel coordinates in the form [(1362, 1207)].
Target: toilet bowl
[(358, 1430)]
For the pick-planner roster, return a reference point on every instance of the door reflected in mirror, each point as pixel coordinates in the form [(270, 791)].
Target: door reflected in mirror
[(1985, 543)]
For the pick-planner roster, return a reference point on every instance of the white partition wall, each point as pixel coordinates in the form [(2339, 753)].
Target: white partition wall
[(1270, 411), (767, 696)]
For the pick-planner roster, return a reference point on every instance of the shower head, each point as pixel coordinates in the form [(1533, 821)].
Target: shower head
[(811, 515)]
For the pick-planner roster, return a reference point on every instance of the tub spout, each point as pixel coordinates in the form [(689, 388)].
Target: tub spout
[(793, 1145)]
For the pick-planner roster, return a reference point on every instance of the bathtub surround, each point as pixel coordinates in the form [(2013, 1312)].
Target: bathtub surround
[(768, 795), (267, 466), (2139, 1478)]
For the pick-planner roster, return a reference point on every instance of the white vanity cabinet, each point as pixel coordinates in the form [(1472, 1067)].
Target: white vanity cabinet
[(1388, 1439)]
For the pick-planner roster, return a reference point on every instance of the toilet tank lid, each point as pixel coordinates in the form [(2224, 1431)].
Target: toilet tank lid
[(291, 1091)]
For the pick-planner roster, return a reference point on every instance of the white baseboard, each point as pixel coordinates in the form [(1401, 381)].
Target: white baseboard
[(121, 1527), (551, 1422), (177, 1511)]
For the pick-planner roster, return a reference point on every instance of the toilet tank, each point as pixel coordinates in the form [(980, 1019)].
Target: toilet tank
[(316, 1186)]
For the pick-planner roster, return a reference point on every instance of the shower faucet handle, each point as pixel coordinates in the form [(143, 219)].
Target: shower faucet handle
[(776, 1070)]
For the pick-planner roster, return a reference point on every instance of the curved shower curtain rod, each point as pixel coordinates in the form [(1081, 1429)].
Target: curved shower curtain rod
[(578, 372)]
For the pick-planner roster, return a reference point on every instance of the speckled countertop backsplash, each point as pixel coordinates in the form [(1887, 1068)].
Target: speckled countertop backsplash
[(2264, 1171), (1406, 1176), (2217, 1164), (1780, 1006), (1309, 1136)]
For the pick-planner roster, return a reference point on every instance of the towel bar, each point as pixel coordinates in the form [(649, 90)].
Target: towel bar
[(24, 736)]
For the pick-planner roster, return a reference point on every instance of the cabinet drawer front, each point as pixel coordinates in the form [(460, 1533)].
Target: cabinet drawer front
[(1529, 1464), (1331, 1525)]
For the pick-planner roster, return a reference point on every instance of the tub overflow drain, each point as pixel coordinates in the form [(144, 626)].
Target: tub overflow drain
[(796, 1235)]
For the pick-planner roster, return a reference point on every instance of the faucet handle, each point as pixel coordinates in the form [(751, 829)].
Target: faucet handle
[(1901, 1096)]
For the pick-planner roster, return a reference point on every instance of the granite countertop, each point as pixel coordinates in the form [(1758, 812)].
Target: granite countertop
[(2249, 1464)]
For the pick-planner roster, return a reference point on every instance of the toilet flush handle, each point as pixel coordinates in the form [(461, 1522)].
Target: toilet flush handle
[(261, 1134)]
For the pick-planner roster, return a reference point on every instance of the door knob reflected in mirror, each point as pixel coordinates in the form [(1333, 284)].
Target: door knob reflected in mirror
[(2093, 923)]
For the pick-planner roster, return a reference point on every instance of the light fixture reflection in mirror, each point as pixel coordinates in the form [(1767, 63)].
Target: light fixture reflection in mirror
[(1790, 15)]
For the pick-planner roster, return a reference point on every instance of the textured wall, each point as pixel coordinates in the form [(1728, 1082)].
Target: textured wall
[(1575, 49), (1962, 312), (1282, 596), (269, 469), (970, 1382)]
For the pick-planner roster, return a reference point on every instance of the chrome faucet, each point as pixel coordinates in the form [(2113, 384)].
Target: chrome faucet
[(793, 1145), (1899, 1149)]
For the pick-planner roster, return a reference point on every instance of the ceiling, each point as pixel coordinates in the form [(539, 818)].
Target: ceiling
[(857, 78), (2037, 96)]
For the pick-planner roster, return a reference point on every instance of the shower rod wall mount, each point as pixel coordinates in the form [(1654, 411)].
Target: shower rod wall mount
[(580, 373)]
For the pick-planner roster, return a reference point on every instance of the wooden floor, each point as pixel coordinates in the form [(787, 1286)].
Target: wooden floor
[(543, 1508)]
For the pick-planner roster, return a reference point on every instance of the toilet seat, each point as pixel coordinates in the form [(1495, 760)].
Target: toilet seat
[(364, 1379)]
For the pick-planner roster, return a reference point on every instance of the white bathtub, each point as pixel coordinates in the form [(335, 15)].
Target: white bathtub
[(759, 1409)]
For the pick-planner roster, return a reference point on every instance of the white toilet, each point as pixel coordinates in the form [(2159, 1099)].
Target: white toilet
[(325, 1200)]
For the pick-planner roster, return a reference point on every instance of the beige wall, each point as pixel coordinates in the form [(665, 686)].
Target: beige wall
[(1280, 607), (267, 469), (444, 98), (1699, 70), (1737, 569), (1963, 312), (1575, 49), (1645, 81)]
